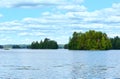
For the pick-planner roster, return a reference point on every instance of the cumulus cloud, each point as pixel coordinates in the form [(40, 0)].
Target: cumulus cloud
[(60, 25), (104, 19), (72, 7), (30, 3), (31, 34), (26, 5), (11, 26)]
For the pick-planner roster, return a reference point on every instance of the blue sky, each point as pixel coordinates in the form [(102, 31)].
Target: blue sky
[(24, 21)]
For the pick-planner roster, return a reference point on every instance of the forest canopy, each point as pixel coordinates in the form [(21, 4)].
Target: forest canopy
[(46, 44), (90, 40), (115, 42)]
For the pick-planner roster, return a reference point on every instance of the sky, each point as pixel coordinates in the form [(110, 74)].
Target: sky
[(24, 21)]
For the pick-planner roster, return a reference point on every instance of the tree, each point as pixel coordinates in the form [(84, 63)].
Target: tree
[(1, 46), (16, 46), (46, 44), (90, 40), (66, 46), (73, 42), (115, 42)]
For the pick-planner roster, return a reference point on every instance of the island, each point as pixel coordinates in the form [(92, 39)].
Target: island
[(92, 40)]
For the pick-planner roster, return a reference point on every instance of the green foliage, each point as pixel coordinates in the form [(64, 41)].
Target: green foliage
[(66, 46), (115, 42), (16, 47), (91, 40), (46, 44)]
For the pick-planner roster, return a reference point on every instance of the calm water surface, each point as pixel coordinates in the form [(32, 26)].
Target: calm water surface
[(59, 64)]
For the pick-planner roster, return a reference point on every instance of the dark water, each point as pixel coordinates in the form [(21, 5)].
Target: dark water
[(59, 64)]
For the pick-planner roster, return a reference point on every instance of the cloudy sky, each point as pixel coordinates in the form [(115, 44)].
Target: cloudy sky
[(24, 21)]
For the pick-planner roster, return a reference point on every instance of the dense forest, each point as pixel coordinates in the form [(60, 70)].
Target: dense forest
[(91, 40), (46, 44), (66, 46), (1, 47), (115, 42)]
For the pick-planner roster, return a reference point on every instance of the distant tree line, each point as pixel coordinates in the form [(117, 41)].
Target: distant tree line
[(46, 44), (20, 46), (1, 47), (66, 46), (91, 40), (15, 46), (115, 42)]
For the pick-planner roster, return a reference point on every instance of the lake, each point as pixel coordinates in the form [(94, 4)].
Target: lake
[(59, 64)]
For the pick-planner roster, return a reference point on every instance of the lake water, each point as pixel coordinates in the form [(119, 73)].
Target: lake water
[(59, 64)]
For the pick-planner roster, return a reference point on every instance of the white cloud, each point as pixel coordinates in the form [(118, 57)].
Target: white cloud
[(72, 7), (11, 26), (31, 34), (78, 1), (46, 13), (60, 25), (36, 3), (1, 15), (29, 3), (116, 5), (115, 19)]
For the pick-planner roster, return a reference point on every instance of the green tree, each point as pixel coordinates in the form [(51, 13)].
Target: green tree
[(16, 46), (115, 42), (46, 44), (66, 46), (73, 42), (90, 40)]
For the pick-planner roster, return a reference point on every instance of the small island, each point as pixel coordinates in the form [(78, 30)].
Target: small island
[(92, 40), (46, 44)]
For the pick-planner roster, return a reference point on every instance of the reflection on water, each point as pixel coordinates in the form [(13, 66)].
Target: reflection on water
[(59, 64)]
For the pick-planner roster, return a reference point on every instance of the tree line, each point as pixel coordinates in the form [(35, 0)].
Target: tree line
[(115, 42), (92, 40), (46, 44), (19, 46)]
